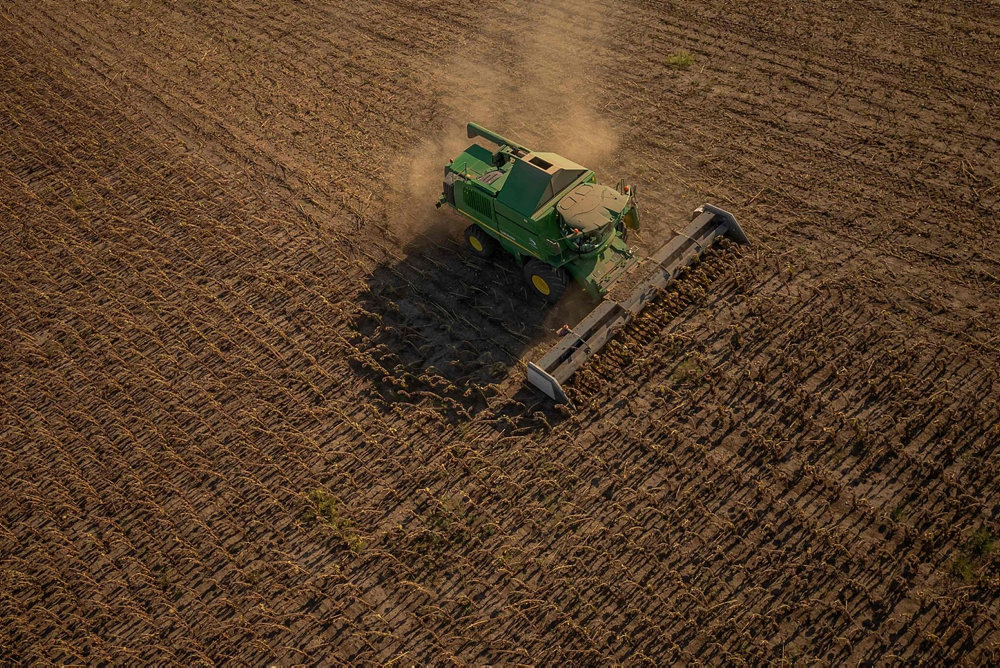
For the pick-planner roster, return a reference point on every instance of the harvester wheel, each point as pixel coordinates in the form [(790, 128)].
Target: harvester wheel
[(548, 281), (479, 242)]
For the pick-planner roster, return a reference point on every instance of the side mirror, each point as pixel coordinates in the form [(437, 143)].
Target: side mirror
[(632, 217)]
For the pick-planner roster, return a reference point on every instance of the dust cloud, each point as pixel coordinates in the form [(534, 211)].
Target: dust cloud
[(560, 96), (539, 90)]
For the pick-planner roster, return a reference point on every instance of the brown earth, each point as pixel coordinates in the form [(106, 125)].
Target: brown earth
[(257, 405)]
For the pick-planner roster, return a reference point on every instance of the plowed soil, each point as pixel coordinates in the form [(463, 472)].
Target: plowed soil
[(258, 406)]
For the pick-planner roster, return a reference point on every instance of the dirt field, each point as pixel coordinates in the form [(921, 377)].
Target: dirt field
[(257, 405)]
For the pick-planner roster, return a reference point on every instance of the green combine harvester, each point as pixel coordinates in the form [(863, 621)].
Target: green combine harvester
[(559, 223)]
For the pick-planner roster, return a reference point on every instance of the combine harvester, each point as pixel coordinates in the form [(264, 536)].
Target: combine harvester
[(559, 223)]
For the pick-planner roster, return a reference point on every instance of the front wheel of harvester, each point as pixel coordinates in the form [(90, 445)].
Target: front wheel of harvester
[(548, 281), (479, 242)]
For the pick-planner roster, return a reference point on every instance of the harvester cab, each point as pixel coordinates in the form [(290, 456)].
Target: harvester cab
[(559, 223)]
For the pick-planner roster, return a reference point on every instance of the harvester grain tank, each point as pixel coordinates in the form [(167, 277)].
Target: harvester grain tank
[(559, 223)]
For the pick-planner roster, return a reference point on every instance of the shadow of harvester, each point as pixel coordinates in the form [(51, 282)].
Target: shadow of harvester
[(444, 327)]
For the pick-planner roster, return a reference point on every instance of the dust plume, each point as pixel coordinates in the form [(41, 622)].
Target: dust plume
[(562, 95), (539, 89)]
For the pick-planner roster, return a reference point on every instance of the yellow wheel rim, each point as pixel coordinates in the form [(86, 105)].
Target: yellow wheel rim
[(476, 244), (540, 284)]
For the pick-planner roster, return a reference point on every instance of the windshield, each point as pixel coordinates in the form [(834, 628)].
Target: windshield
[(585, 242)]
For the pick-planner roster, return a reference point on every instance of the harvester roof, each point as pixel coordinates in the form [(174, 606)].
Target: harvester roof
[(590, 206)]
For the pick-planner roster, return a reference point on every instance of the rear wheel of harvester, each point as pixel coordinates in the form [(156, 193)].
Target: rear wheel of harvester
[(479, 242), (548, 281)]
